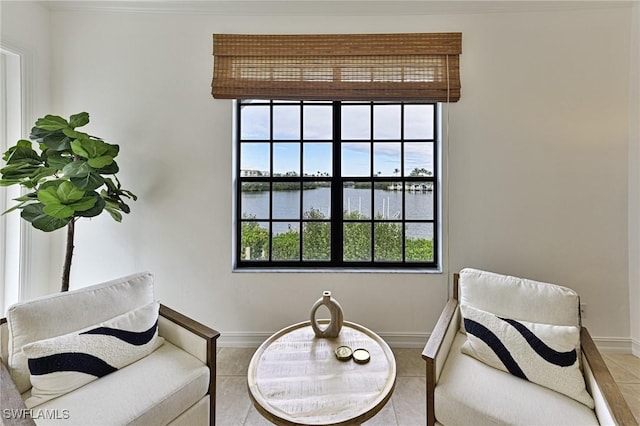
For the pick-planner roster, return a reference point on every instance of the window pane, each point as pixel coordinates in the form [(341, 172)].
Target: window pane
[(286, 122), (255, 200), (254, 159), (357, 200), (286, 241), (254, 241), (356, 159), (418, 121), (317, 159), (386, 159), (254, 122), (286, 159), (356, 122), (418, 159), (357, 241), (316, 240), (386, 122), (286, 200), (388, 241), (388, 204), (419, 242), (318, 122), (316, 200), (419, 201)]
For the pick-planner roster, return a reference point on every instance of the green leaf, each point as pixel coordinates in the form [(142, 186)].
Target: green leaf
[(19, 171), (27, 197), (90, 182), (59, 211), (124, 207), (55, 140), (52, 122), (57, 161), (84, 204), (129, 194), (32, 211), (78, 149), (48, 195), (79, 120), (79, 168), (100, 162), (68, 193), (115, 214), (51, 183), (113, 150), (96, 209), (22, 153), (36, 178), (48, 223), (111, 169), (34, 214)]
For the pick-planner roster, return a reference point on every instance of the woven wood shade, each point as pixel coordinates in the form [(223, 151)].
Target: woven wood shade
[(421, 67)]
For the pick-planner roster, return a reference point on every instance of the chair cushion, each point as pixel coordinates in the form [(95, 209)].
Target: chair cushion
[(519, 298), (40, 318), (540, 353), (61, 364), (152, 391), (472, 393)]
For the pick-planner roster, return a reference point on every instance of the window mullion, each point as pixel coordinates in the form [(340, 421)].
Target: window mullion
[(372, 221), (301, 187), (271, 175), (337, 186)]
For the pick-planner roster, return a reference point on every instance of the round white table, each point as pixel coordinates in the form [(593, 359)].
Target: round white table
[(295, 378)]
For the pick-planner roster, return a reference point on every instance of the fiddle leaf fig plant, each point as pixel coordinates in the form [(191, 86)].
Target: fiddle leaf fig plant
[(73, 176)]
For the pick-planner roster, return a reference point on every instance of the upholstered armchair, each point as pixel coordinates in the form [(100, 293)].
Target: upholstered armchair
[(107, 354), (507, 350)]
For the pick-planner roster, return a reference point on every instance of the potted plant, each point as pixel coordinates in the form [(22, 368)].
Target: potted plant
[(73, 176)]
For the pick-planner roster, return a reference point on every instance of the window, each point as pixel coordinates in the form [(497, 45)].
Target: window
[(337, 184), (11, 230)]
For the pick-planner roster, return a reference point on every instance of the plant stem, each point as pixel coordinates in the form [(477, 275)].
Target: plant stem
[(69, 254)]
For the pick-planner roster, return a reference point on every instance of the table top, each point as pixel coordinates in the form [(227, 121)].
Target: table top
[(295, 378)]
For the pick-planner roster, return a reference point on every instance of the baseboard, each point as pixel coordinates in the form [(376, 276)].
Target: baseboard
[(416, 340), (614, 344)]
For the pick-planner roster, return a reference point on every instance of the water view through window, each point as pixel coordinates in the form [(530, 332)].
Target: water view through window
[(345, 184)]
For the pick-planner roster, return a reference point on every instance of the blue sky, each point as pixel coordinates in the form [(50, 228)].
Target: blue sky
[(356, 128)]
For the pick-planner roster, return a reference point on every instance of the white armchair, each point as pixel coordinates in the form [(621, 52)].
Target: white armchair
[(463, 389), (165, 370)]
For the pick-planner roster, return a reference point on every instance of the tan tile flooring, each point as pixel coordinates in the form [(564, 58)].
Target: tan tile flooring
[(407, 405)]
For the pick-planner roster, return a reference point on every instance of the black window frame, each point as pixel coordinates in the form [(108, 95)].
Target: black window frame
[(337, 182)]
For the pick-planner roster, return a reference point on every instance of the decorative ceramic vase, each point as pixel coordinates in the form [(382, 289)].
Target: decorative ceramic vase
[(335, 322)]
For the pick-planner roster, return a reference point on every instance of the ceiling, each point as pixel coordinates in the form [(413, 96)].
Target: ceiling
[(328, 7)]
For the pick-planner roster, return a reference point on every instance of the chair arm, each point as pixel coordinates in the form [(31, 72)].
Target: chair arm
[(194, 338), (14, 412), (611, 407), (436, 350)]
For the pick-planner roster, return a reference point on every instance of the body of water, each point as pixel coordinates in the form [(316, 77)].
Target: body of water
[(386, 204)]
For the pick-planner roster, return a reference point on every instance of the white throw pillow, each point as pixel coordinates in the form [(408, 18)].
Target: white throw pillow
[(61, 364), (540, 353)]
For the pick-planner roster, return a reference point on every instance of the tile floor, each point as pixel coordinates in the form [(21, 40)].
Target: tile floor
[(407, 405)]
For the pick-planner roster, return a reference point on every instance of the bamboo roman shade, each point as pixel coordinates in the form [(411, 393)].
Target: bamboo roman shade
[(420, 67)]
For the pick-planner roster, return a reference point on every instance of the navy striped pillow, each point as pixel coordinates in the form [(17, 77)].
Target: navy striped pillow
[(61, 364), (540, 353)]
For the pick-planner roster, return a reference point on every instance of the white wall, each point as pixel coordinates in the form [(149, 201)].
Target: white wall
[(634, 183), (25, 29), (538, 166)]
